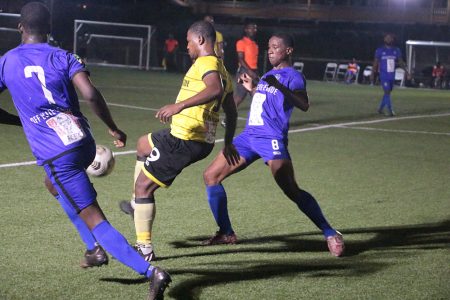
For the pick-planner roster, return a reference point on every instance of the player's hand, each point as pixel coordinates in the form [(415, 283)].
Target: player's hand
[(231, 155), (120, 136), (246, 81), (165, 112), (272, 81)]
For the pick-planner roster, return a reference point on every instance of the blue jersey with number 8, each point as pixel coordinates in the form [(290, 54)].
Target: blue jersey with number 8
[(270, 112)]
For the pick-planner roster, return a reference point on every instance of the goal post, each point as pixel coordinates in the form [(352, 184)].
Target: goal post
[(422, 55), (113, 44)]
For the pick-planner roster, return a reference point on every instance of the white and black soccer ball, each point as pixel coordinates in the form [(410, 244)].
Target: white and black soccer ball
[(103, 163)]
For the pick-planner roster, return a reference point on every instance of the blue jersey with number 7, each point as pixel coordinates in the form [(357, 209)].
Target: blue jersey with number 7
[(39, 79)]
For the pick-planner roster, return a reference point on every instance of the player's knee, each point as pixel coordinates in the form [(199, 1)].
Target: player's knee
[(210, 177), (143, 146), (144, 187)]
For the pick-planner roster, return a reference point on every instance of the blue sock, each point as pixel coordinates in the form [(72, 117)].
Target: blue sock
[(114, 242), (388, 102), (217, 199), (309, 206), (79, 224)]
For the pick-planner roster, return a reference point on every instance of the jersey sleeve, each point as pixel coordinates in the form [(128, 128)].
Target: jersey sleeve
[(240, 46), (297, 82), (75, 64), (207, 65)]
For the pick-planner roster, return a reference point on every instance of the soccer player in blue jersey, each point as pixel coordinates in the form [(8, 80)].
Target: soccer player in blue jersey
[(266, 136), (42, 80), (384, 62)]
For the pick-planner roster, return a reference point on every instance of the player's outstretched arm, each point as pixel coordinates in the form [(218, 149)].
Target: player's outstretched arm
[(213, 90), (98, 105), (298, 98), (229, 151)]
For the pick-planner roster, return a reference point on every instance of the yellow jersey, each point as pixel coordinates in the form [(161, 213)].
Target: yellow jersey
[(199, 123), (219, 39)]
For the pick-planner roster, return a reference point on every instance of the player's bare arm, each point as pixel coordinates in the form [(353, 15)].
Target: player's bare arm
[(229, 151), (298, 98), (213, 90), (98, 105)]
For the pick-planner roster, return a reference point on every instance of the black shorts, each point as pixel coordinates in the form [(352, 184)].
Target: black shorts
[(170, 155)]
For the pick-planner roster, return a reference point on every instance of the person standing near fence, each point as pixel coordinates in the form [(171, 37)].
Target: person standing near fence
[(247, 52), (384, 63)]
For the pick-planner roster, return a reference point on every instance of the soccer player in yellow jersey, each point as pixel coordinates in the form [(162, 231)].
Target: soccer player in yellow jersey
[(220, 43), (162, 155)]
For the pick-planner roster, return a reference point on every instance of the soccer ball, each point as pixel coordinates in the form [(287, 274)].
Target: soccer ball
[(103, 163)]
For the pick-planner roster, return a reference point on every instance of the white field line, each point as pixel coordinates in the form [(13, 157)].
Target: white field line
[(339, 125), (396, 130), (143, 108)]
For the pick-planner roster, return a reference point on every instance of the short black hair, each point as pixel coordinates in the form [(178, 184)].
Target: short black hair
[(204, 29), (35, 18), (288, 40)]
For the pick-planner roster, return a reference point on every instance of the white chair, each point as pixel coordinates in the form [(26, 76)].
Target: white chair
[(330, 72), (341, 71), (399, 77), (298, 65), (367, 73)]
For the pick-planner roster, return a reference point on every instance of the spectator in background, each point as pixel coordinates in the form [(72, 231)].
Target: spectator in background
[(352, 71), (438, 75), (170, 53), (247, 53), (220, 43)]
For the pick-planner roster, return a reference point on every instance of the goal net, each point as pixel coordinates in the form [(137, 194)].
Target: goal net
[(421, 56), (9, 35), (113, 44)]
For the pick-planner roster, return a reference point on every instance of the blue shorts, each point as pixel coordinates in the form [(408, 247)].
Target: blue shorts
[(68, 175), (387, 84), (251, 148)]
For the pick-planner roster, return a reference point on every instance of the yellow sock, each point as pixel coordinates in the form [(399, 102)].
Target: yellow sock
[(144, 214)]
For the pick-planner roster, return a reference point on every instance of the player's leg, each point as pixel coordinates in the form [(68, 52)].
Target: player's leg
[(95, 255), (144, 215), (213, 176), (215, 173), (143, 150), (387, 94), (68, 176), (143, 206), (283, 173)]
